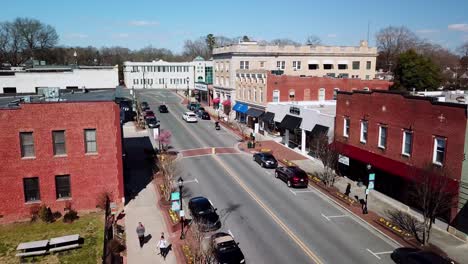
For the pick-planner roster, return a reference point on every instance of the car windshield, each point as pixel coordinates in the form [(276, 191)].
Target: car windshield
[(300, 173), (268, 157), (192, 115), (152, 120)]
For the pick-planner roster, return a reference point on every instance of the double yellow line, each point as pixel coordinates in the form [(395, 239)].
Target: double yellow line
[(286, 229)]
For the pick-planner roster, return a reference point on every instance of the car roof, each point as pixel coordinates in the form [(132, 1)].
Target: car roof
[(189, 113), (223, 239)]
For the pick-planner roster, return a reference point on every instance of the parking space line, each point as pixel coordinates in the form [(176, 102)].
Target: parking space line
[(189, 181), (292, 192), (376, 254), (329, 217)]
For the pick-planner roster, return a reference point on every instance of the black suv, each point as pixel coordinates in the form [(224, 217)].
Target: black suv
[(293, 176), (144, 106), (163, 109), (204, 214), (417, 256), (266, 160), (225, 249)]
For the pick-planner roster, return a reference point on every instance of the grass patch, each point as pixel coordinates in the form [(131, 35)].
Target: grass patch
[(89, 226)]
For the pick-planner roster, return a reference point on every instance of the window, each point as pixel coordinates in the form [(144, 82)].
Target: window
[(367, 77), (296, 65), (342, 66), (246, 65), (292, 95), (27, 144), (90, 141), (281, 65), (31, 189), (58, 138), (313, 66), (407, 143), (262, 64), (62, 186), (276, 96), (321, 94), (242, 65), (382, 137), (346, 122), (10, 90), (335, 93), (356, 65), (439, 151), (366, 89), (328, 66), (363, 131), (368, 65)]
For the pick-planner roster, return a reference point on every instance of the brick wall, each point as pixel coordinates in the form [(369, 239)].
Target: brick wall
[(424, 118), (307, 88), (90, 174)]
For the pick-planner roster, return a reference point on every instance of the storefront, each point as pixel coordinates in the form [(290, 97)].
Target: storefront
[(253, 116), (202, 93), (292, 132), (267, 123), (241, 110)]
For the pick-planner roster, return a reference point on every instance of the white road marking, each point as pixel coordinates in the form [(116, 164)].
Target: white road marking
[(229, 231), (188, 181), (376, 254), (292, 192), (333, 216)]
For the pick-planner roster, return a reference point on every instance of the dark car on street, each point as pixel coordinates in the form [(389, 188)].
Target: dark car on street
[(193, 106), (144, 106), (204, 213), (293, 176), (152, 122), (266, 160), (407, 255), (205, 116), (163, 109), (226, 249)]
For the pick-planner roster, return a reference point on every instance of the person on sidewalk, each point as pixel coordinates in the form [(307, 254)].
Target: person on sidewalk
[(141, 233), (162, 244)]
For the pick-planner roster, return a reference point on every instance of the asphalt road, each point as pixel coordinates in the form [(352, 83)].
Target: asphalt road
[(272, 223)]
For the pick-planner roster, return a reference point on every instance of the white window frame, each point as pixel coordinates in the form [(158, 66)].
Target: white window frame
[(242, 65), (321, 94), (346, 125), (403, 144), (381, 128), (434, 153), (362, 138), (278, 97)]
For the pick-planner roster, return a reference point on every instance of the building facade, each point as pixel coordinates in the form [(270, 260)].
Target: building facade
[(29, 80), (167, 75), (55, 153), (401, 136), (343, 62)]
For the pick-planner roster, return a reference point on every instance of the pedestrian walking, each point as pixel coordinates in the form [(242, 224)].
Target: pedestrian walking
[(141, 233), (162, 244), (348, 189)]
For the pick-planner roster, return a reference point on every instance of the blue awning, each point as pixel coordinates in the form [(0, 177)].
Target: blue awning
[(241, 108)]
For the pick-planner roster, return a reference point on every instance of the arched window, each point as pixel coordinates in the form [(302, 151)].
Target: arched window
[(366, 88), (292, 95)]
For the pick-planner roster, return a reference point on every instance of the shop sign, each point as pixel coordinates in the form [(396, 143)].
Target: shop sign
[(201, 87), (343, 160)]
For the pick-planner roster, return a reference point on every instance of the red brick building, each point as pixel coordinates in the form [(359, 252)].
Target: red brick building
[(400, 135), (296, 88), (58, 152)]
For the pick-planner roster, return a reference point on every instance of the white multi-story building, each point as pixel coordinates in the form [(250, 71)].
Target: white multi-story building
[(64, 77), (165, 75), (340, 62)]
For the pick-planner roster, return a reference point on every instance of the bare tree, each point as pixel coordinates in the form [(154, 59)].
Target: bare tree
[(202, 248), (463, 49), (391, 41), (313, 40), (168, 166), (328, 155), (242, 128), (196, 48), (283, 42), (432, 194), (223, 41)]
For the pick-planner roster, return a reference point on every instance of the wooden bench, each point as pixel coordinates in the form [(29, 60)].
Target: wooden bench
[(33, 248), (64, 243)]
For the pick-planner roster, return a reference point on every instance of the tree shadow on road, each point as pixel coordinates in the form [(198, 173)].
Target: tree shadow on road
[(224, 213)]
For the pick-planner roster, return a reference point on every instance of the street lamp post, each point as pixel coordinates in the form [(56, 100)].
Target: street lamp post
[(180, 182), (188, 81)]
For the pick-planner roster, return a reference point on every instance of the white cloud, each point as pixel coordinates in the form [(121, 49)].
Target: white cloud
[(77, 36), (458, 27), (121, 35), (427, 31), (331, 35), (143, 23)]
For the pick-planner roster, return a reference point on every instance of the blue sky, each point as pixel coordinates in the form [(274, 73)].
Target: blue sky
[(166, 24)]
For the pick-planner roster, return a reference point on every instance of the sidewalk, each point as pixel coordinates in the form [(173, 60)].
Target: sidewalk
[(454, 247), (142, 202)]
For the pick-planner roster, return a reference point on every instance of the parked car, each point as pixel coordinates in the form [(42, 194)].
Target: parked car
[(190, 117), (204, 214), (163, 109), (205, 116), (293, 176), (192, 106), (144, 106), (266, 160), (148, 114), (226, 249), (407, 255), (152, 122), (199, 110)]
